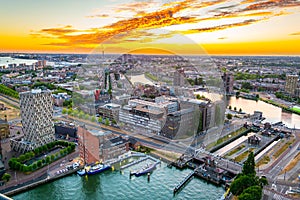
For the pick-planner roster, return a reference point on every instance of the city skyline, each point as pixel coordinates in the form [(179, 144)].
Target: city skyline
[(220, 27)]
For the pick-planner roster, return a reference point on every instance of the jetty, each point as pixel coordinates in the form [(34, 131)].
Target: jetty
[(184, 182), (134, 162)]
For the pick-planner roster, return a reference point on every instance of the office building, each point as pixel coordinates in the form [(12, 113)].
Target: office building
[(228, 80), (291, 84)]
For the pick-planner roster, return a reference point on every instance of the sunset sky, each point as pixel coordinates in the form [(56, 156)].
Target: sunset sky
[(237, 27)]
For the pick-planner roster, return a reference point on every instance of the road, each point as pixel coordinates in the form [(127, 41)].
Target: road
[(152, 141)]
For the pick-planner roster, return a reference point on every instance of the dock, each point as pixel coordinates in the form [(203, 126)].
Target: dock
[(183, 182), (134, 162)]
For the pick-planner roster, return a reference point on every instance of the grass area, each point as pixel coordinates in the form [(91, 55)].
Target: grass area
[(263, 161), (243, 155), (283, 148), (150, 76), (292, 164), (295, 109), (235, 150), (11, 112), (226, 137)]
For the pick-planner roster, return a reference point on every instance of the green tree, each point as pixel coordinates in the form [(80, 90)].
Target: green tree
[(106, 121), (48, 159), (6, 177), (241, 183), (249, 165), (114, 121), (229, 116), (52, 157), (64, 111), (39, 163), (69, 111), (240, 110), (34, 165), (86, 116), (234, 108), (251, 193), (100, 119), (230, 107), (93, 118)]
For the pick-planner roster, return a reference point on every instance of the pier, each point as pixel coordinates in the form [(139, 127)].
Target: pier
[(183, 182), (134, 162)]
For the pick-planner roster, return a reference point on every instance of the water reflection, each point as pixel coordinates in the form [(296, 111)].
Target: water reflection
[(271, 113)]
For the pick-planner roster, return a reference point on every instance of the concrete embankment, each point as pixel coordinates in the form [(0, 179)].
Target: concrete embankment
[(36, 183)]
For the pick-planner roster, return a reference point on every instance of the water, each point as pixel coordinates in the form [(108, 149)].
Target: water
[(4, 61), (114, 185), (271, 113)]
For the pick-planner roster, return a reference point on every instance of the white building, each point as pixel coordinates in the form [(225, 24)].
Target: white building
[(36, 113)]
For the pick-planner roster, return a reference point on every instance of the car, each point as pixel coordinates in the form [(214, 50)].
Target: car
[(75, 165)]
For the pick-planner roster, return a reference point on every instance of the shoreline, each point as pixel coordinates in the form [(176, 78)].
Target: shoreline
[(37, 183)]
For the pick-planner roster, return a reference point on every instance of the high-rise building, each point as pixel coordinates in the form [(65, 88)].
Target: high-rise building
[(291, 84), (36, 113), (178, 79), (228, 80)]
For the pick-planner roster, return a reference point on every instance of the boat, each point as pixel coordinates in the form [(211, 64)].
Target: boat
[(81, 172), (146, 169), (97, 169), (94, 169)]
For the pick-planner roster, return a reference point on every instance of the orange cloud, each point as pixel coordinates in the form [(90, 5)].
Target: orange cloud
[(98, 16), (135, 29), (273, 4)]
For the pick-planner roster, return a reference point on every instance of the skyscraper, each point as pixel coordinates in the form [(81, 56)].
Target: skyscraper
[(228, 80), (291, 84), (36, 113)]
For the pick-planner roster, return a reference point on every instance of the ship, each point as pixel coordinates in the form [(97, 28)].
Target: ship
[(145, 170), (97, 169), (94, 169)]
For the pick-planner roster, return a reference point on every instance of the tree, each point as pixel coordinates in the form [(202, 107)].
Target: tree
[(93, 118), (114, 121), (237, 94), (229, 116), (34, 165), (69, 111), (240, 110), (100, 119), (6, 177), (86, 116), (234, 108), (230, 107), (251, 193), (249, 165), (107, 122), (39, 163), (241, 183), (64, 111), (48, 159)]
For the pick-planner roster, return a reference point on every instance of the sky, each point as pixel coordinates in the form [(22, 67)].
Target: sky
[(215, 27)]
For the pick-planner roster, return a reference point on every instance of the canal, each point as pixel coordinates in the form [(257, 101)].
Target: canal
[(115, 185), (271, 113)]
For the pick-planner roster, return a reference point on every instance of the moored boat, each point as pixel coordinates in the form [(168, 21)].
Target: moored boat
[(146, 169), (97, 169)]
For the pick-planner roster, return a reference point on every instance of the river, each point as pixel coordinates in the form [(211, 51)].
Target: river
[(115, 185), (4, 61), (271, 113)]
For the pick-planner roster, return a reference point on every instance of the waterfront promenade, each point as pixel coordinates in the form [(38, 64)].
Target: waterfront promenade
[(20, 179)]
